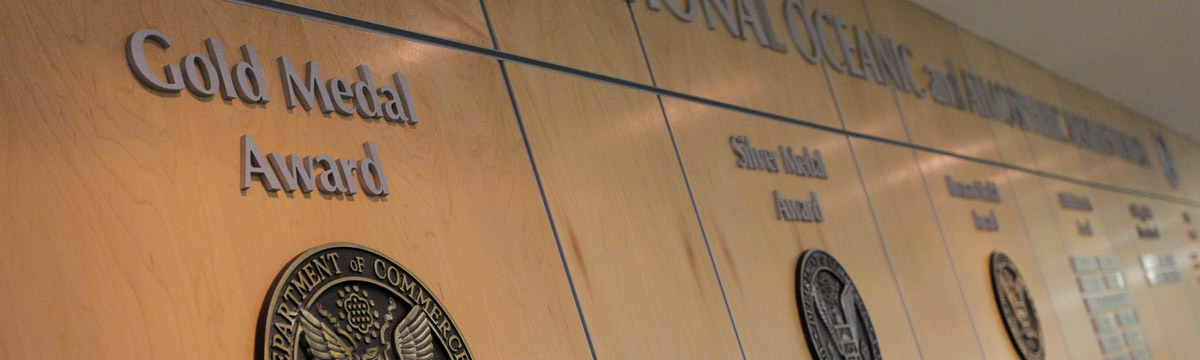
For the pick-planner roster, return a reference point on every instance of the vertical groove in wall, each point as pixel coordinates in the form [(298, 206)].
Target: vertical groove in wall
[(933, 208), (879, 233), (683, 170), (892, 89), (1020, 211), (541, 189), (946, 246), (962, 46), (1024, 134), (1041, 273), (1044, 186), (871, 207)]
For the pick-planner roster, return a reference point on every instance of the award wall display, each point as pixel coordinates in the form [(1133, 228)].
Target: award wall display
[(1114, 317), (590, 180), (755, 220), (836, 323)]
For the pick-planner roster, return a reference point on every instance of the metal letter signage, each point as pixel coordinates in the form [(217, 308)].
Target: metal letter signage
[(293, 173), (206, 76), (864, 54), (345, 301), (836, 323), (1016, 308), (1168, 162), (800, 163)]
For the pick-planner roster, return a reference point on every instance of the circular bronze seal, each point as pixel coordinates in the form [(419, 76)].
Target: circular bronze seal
[(1016, 308), (836, 323), (345, 301)]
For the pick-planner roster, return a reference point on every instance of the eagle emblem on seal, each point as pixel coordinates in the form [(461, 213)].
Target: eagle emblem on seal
[(344, 301)]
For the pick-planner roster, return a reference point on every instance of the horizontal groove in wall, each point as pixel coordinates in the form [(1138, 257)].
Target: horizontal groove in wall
[(391, 31)]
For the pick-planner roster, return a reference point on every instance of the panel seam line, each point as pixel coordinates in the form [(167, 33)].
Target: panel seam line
[(541, 188), (687, 183)]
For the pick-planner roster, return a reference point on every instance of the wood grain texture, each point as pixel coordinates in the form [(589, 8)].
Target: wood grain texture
[(130, 238), (1048, 154), (934, 41), (866, 106), (125, 236), (594, 36), (460, 20), (1054, 235), (1119, 171), (1075, 99), (1150, 177), (971, 250), (983, 59), (922, 262), (757, 253), (1176, 304), (613, 183), (1163, 329)]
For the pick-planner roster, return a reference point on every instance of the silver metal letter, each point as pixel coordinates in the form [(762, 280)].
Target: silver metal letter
[(203, 84), (370, 172), (340, 91), (686, 16), (292, 83), (136, 56), (253, 163), (391, 108), (823, 42), (347, 167), (251, 85), (728, 14), (365, 97), (748, 15), (218, 56), (328, 182), (406, 97), (811, 52), (293, 173)]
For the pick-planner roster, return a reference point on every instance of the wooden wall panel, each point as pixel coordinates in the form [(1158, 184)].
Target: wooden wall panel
[(866, 106), (1113, 209), (1098, 243), (1048, 154), (595, 36), (756, 252), (923, 267), (622, 211), (1182, 299), (934, 41), (1055, 236), (982, 59), (691, 58), (971, 250), (1189, 253), (160, 256), (459, 20), (1150, 177), (1122, 172), (1085, 103), (125, 236)]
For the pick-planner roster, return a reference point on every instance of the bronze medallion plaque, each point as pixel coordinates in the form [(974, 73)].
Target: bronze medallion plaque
[(345, 301), (1016, 308), (836, 323)]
